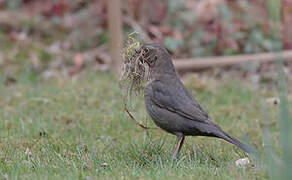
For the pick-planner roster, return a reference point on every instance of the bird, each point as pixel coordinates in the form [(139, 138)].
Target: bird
[(171, 106)]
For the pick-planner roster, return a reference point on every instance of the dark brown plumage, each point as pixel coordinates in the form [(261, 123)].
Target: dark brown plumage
[(171, 106)]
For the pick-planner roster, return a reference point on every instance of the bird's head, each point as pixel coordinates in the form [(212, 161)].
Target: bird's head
[(157, 58)]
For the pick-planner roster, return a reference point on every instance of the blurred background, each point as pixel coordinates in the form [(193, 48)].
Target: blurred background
[(61, 108), (70, 36)]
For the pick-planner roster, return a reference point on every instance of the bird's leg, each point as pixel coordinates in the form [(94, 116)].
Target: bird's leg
[(180, 142)]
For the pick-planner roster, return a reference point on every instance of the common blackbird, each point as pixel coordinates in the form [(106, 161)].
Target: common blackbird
[(171, 106)]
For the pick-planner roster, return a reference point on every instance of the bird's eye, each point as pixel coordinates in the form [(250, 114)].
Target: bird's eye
[(155, 58)]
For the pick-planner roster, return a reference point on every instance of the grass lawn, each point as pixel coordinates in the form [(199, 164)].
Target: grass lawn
[(77, 129)]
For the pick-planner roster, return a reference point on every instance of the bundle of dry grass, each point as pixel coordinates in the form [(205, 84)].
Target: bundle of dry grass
[(133, 70), (133, 73)]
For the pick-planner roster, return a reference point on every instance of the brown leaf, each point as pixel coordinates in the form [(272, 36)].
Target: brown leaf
[(78, 64), (78, 59)]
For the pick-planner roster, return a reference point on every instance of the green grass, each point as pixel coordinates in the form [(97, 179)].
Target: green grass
[(76, 129)]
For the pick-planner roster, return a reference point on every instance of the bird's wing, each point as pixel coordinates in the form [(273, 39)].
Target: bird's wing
[(177, 99)]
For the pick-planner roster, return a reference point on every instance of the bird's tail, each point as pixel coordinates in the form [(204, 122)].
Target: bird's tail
[(236, 142)]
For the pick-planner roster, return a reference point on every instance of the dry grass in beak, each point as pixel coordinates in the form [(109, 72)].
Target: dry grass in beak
[(133, 69), (133, 73)]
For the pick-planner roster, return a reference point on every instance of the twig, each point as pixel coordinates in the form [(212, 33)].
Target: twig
[(134, 120), (210, 62)]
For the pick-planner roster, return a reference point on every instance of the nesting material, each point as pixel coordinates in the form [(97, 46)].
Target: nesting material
[(133, 73)]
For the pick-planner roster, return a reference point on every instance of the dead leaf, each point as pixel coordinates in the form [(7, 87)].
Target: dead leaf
[(78, 64)]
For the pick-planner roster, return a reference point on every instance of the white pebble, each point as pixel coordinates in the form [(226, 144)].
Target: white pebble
[(242, 162)]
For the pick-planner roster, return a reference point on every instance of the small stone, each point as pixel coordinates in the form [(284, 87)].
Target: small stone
[(242, 162), (104, 164)]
